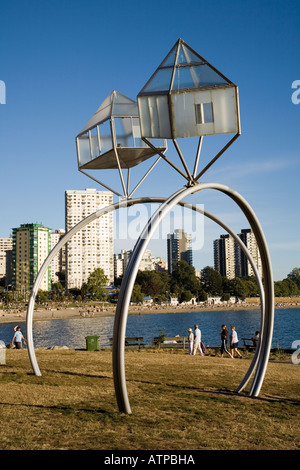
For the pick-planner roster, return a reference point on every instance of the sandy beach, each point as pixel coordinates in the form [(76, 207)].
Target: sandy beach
[(83, 311)]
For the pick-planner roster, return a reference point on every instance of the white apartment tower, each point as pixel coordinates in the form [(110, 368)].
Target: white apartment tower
[(58, 264), (224, 256), (244, 267), (121, 261), (91, 247), (6, 245), (179, 247), (230, 260)]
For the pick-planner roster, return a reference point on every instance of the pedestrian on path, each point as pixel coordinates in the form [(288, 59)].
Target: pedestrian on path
[(197, 341), (224, 339), (18, 337), (234, 342), (191, 341)]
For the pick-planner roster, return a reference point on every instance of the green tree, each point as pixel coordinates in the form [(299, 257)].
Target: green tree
[(7, 296), (96, 284), (285, 288), (184, 280), (154, 283), (186, 295), (137, 294), (294, 276), (42, 296), (211, 281), (240, 288)]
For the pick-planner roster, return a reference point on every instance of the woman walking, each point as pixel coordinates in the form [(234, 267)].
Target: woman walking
[(234, 342), (191, 341), (224, 337)]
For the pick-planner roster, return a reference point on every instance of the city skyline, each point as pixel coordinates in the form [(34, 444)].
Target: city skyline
[(50, 96), (228, 257)]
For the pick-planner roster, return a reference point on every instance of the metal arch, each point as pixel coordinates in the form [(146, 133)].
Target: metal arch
[(81, 225), (259, 282), (108, 209), (261, 358), (48, 261)]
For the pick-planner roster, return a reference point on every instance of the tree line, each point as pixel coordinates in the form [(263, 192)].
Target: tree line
[(160, 286), (184, 284)]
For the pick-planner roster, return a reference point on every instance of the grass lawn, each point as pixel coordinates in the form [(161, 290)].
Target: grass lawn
[(179, 402)]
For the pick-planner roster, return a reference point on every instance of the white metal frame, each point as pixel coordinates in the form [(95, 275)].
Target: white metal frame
[(261, 356)]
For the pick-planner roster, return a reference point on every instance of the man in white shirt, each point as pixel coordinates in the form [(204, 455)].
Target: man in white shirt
[(197, 341)]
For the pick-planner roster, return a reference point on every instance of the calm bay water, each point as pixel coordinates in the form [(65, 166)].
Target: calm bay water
[(72, 332)]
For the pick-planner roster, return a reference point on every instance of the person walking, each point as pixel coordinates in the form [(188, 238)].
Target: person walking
[(224, 339), (197, 341), (17, 338), (255, 339), (191, 341), (234, 342)]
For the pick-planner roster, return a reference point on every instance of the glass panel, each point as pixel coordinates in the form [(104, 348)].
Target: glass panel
[(94, 143), (203, 113), (144, 116), (170, 59), (84, 149), (184, 124), (123, 130), (137, 133), (160, 81), (125, 109), (163, 116), (208, 112), (207, 76), (153, 116), (159, 143), (196, 76), (198, 113), (225, 112), (185, 56), (105, 137)]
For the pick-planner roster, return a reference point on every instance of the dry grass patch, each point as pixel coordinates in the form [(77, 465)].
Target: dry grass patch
[(179, 402)]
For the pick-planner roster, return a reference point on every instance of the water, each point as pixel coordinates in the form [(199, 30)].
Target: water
[(72, 332)]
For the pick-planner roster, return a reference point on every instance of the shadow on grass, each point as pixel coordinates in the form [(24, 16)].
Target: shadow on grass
[(217, 391)]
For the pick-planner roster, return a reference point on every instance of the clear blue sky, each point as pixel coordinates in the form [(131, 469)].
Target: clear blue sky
[(60, 60)]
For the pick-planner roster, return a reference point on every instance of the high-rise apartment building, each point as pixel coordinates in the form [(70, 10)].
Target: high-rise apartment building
[(179, 246), (91, 247), (6, 245), (121, 261), (31, 246), (243, 266), (148, 262), (224, 260), (58, 265), (230, 260)]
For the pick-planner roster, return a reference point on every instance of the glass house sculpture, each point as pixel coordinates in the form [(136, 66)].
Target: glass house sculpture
[(112, 134), (186, 96), (112, 139)]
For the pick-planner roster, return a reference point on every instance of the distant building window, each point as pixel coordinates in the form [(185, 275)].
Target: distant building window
[(204, 113)]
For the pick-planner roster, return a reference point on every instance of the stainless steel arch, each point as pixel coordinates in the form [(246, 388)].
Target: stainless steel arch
[(89, 219), (82, 224), (261, 358), (49, 259)]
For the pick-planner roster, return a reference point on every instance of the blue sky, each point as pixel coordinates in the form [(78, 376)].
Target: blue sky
[(60, 59)]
